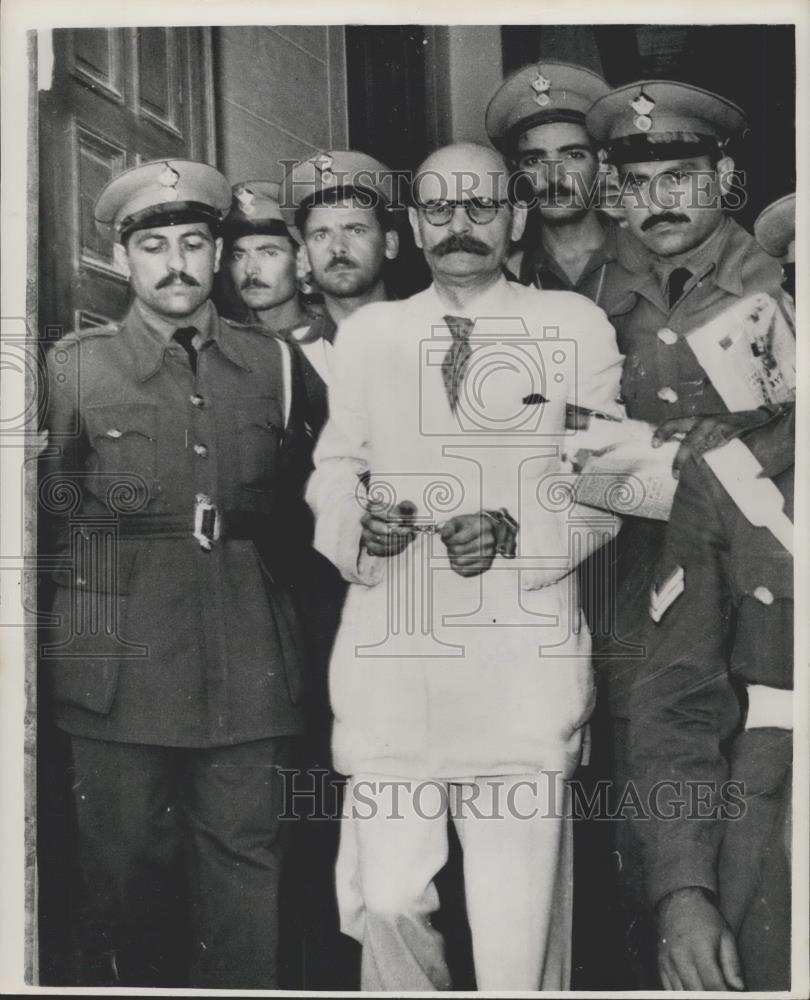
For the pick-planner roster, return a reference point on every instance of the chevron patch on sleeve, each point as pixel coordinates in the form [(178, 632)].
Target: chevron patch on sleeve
[(663, 597)]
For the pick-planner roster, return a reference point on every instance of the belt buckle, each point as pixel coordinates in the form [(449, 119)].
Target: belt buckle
[(207, 522)]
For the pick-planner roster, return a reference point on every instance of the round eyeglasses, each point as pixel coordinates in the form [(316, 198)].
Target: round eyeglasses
[(481, 211)]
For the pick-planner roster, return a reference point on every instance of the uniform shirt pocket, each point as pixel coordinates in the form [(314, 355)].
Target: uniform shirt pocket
[(124, 441), (260, 432)]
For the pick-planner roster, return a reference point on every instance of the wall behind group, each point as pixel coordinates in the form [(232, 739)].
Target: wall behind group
[(280, 95)]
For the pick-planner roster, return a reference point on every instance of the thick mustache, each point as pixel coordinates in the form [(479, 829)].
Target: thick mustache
[(252, 283), (177, 277), (555, 191), (664, 217), (464, 244), (341, 262)]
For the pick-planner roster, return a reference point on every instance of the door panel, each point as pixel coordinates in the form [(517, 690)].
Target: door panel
[(119, 97)]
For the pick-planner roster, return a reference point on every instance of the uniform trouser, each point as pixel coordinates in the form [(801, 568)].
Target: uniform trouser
[(515, 832), (620, 647), (754, 870), (146, 812)]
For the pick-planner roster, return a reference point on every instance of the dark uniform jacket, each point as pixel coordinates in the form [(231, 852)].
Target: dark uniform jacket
[(662, 377), (731, 626), (320, 590), (157, 640), (322, 327)]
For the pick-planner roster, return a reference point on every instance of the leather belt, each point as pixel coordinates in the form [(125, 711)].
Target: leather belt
[(229, 524)]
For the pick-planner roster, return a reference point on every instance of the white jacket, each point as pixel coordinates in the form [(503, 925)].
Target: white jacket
[(433, 674)]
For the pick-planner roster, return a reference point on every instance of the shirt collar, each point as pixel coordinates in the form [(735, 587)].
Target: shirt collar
[(540, 259), (720, 256), (322, 327), (700, 260), (150, 335), (489, 302)]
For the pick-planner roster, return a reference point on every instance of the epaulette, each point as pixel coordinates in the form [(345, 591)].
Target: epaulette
[(235, 323), (264, 331), (86, 333)]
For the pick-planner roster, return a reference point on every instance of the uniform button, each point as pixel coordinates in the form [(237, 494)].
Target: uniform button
[(113, 432), (764, 595), (667, 336), (667, 394), (201, 450), (197, 400)]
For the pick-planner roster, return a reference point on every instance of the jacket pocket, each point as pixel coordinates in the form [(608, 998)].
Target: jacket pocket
[(260, 432), (763, 578), (83, 649), (124, 440), (99, 562)]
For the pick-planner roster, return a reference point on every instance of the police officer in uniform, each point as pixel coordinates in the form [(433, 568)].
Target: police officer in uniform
[(691, 261), (713, 705), (537, 119), (261, 255), (339, 200), (175, 666), (668, 141)]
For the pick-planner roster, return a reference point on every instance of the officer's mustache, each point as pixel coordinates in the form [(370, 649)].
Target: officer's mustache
[(177, 277), (341, 262), (460, 244), (252, 283), (558, 192), (664, 217)]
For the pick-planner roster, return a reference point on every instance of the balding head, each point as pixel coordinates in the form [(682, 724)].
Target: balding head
[(463, 169), (463, 218)]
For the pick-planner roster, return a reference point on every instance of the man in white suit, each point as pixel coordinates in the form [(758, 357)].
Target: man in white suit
[(460, 682)]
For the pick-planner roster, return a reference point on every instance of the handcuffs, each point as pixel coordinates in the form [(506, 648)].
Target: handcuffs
[(505, 526)]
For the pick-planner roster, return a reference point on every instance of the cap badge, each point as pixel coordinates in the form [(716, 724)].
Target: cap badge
[(323, 164), (168, 178), (642, 106), (247, 201), (541, 86)]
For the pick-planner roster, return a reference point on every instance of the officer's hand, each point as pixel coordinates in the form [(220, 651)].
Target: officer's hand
[(470, 541), (696, 949), (704, 433), (386, 530)]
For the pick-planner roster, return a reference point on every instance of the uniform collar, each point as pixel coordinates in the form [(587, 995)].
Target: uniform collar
[(719, 258), (701, 260), (541, 260), (150, 336), (322, 327)]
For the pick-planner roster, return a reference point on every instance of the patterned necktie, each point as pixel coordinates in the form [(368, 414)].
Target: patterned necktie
[(458, 354), (184, 336), (677, 283)]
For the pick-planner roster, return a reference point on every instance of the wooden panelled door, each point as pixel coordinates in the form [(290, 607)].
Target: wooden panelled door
[(119, 97)]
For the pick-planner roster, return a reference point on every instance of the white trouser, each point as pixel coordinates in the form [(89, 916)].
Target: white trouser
[(517, 843)]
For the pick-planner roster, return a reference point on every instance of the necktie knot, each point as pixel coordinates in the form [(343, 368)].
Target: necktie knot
[(677, 282), (184, 337), (458, 354), (460, 327)]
